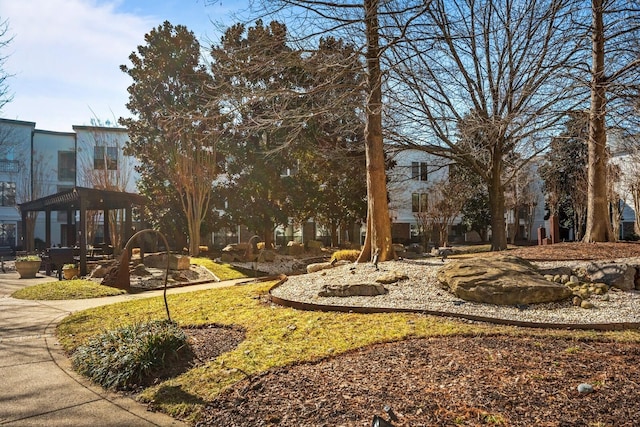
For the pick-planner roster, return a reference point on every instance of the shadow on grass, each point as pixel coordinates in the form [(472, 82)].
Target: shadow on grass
[(175, 395)]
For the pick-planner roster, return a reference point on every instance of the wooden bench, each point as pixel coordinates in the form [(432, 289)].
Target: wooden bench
[(56, 258)]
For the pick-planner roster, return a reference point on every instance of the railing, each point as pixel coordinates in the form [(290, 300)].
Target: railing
[(9, 165)]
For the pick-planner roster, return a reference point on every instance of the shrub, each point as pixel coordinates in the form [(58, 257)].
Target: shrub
[(131, 355), (346, 254), (28, 258)]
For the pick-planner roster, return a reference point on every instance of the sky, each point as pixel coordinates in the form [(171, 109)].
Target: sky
[(65, 55)]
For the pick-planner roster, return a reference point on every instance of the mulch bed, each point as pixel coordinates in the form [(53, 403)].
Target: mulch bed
[(466, 381), (578, 251)]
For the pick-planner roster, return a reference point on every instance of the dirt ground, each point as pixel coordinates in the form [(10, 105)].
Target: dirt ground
[(451, 381)]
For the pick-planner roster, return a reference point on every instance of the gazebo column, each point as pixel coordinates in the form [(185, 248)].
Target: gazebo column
[(47, 227), (26, 244), (126, 233), (71, 235), (82, 226), (107, 227)]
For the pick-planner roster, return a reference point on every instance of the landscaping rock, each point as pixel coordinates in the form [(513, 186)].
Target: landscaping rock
[(391, 277), (553, 271), (99, 272), (585, 388), (318, 266), (237, 252), (501, 280), (176, 262), (359, 289), (621, 276), (266, 256), (315, 246), (586, 304), (140, 270), (295, 248), (399, 249)]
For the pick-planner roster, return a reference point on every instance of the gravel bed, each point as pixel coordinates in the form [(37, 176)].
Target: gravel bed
[(422, 292)]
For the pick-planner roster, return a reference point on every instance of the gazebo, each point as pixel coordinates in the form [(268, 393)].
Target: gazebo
[(82, 199)]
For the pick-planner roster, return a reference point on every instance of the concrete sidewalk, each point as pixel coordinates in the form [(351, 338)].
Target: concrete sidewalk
[(37, 384)]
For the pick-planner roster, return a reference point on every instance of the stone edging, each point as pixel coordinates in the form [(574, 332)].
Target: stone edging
[(369, 310)]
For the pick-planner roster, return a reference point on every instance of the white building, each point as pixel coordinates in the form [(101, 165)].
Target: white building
[(35, 163), (411, 183)]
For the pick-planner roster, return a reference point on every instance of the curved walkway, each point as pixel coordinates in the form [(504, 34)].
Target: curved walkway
[(38, 386)]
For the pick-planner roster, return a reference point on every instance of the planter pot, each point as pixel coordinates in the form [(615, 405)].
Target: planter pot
[(70, 273), (27, 269)]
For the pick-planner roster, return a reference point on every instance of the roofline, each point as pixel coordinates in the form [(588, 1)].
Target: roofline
[(18, 122), (54, 132), (99, 128)]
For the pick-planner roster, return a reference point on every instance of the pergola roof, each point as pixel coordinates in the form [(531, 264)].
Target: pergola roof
[(93, 199), (83, 199)]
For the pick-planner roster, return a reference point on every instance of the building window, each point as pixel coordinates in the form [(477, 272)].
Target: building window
[(7, 193), (8, 235), (10, 166), (66, 165), (419, 171), (105, 156), (419, 202)]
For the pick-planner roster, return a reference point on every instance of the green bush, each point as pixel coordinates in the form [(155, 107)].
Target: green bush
[(131, 355), (346, 254)]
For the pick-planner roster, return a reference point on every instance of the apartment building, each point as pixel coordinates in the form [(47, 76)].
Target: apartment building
[(35, 163)]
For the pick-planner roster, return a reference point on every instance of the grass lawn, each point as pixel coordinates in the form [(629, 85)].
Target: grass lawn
[(275, 336), (66, 289), (221, 271), (82, 289)]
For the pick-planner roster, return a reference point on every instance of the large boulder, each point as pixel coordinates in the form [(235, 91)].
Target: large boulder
[(176, 262), (501, 280)]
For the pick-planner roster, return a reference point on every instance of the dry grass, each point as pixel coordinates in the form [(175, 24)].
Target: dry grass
[(66, 289), (275, 337)]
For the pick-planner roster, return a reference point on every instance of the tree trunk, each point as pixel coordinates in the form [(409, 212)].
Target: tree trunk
[(378, 238), (268, 235), (194, 236), (635, 193), (496, 209), (598, 224), (334, 235)]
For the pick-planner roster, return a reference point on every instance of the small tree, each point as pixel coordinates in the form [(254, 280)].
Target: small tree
[(521, 199), (5, 94), (102, 166), (32, 185), (563, 170), (446, 198)]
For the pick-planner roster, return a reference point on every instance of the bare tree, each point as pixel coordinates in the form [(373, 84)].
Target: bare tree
[(446, 199), (478, 82), (6, 142), (102, 166), (5, 94), (32, 185)]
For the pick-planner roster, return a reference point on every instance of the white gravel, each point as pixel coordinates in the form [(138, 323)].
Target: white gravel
[(422, 292)]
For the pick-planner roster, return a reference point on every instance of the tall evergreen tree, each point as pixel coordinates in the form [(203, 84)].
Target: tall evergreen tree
[(175, 134)]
